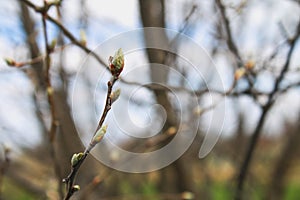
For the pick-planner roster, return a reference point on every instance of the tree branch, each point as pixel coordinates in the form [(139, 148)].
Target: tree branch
[(265, 110), (230, 43), (71, 177), (67, 33)]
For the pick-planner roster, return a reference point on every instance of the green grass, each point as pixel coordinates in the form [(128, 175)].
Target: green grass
[(292, 192), (149, 189), (13, 192), (220, 191)]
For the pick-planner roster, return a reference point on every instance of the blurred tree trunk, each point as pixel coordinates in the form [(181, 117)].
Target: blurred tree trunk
[(288, 154), (38, 76), (153, 15), (66, 141)]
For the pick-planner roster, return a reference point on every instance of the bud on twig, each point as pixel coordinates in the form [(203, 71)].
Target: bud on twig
[(249, 65), (116, 63), (239, 73), (75, 188), (50, 90), (52, 45), (75, 158), (99, 135), (115, 95), (10, 62), (83, 39)]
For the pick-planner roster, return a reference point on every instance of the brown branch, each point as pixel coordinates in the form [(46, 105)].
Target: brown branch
[(115, 70), (67, 33), (293, 85), (50, 98), (250, 92), (4, 164), (12, 63), (48, 81), (28, 26), (36, 62), (170, 57), (199, 92), (71, 177), (265, 109), (287, 156), (230, 43)]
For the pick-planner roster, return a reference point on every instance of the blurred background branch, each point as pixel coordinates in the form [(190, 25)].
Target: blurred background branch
[(54, 83)]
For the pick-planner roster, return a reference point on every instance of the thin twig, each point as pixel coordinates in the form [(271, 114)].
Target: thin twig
[(71, 177), (199, 92), (265, 109), (172, 43), (50, 98), (293, 85), (67, 33), (229, 40), (48, 80), (230, 43), (33, 61)]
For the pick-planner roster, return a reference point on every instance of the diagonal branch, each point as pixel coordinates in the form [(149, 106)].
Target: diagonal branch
[(67, 33), (116, 66), (71, 177), (266, 108), (230, 43)]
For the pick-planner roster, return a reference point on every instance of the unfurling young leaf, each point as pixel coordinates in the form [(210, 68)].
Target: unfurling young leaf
[(116, 63)]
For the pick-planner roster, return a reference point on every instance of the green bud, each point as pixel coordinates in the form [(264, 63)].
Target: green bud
[(10, 62), (118, 60), (75, 188), (99, 135), (52, 45), (116, 63), (50, 90), (239, 73), (115, 95), (75, 158), (83, 39)]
